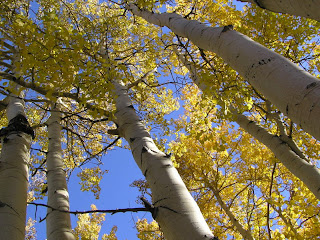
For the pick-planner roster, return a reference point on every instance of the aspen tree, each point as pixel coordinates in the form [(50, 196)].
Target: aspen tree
[(15, 154), (294, 91), (308, 173), (173, 207), (62, 39), (58, 223)]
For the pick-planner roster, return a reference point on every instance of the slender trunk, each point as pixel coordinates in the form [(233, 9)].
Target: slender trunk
[(15, 154), (246, 234), (58, 223), (294, 91), (306, 172), (175, 210), (302, 8)]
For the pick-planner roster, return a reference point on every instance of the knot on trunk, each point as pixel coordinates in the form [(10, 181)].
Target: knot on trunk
[(18, 124)]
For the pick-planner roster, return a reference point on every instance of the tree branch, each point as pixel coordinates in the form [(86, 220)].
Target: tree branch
[(268, 204), (112, 211), (141, 79)]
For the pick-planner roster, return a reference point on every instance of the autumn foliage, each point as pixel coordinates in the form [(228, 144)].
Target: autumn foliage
[(72, 52)]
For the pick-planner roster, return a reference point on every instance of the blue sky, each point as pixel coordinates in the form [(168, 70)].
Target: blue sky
[(115, 193)]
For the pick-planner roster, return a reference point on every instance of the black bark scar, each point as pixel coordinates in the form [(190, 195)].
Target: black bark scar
[(227, 28), (259, 4), (311, 85), (18, 124)]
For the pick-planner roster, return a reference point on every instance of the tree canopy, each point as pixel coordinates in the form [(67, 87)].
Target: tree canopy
[(120, 70)]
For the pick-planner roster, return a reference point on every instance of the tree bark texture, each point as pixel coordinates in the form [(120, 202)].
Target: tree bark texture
[(302, 8), (173, 207), (58, 223), (294, 91), (284, 152), (14, 161), (246, 234), (308, 173)]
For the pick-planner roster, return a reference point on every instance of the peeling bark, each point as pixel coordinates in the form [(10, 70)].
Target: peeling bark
[(14, 161), (58, 223), (294, 91), (174, 208)]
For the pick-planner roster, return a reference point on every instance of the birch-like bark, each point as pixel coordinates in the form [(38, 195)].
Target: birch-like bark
[(175, 210), (308, 173), (298, 166), (15, 156), (294, 91), (302, 8), (246, 234), (58, 223)]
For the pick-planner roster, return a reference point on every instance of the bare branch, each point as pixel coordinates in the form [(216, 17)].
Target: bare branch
[(268, 204), (7, 65), (44, 91), (141, 79), (112, 211), (7, 45)]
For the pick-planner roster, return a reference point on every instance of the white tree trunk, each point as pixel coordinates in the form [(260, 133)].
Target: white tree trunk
[(175, 210), (246, 234), (14, 161), (306, 172), (303, 8), (58, 223), (294, 91)]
